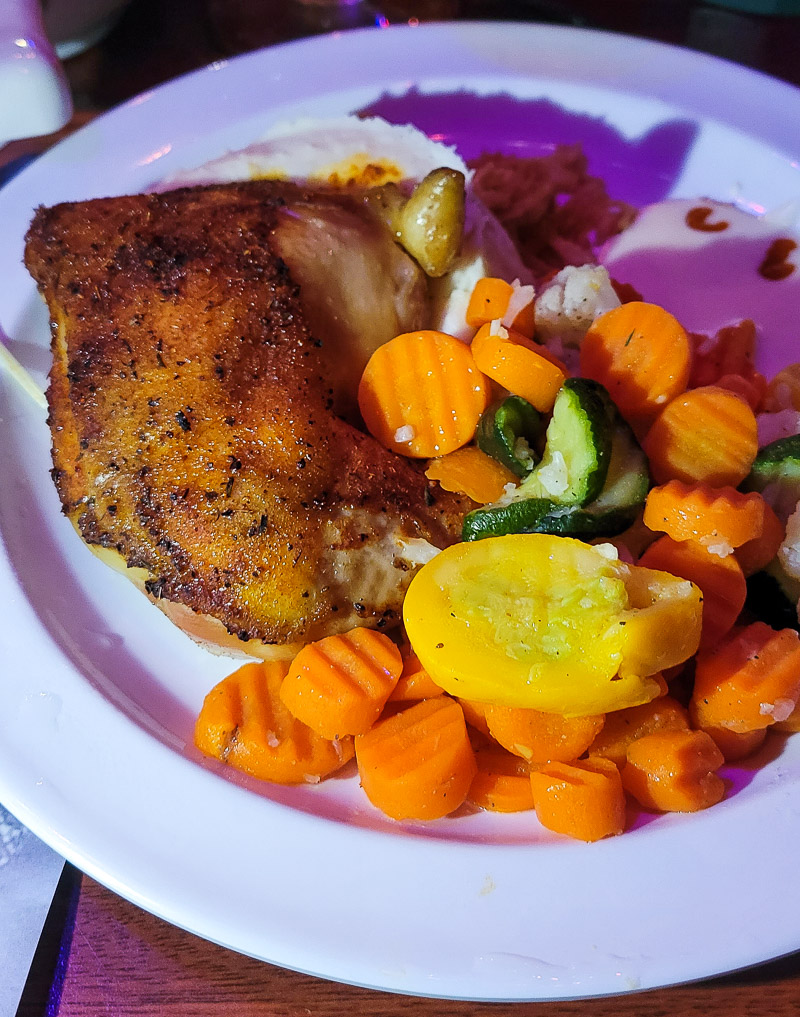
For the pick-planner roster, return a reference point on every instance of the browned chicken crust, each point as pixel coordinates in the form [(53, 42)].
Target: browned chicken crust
[(192, 425)]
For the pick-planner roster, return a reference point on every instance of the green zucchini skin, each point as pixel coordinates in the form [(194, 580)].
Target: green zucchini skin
[(579, 432), (618, 503), (503, 426), (775, 473), (499, 520), (541, 516)]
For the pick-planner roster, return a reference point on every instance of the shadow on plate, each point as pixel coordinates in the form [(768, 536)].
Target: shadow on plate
[(638, 170)]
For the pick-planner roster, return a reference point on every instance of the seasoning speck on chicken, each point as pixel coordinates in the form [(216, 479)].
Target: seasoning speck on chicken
[(198, 405)]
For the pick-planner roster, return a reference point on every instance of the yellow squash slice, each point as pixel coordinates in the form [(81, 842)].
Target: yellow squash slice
[(550, 623)]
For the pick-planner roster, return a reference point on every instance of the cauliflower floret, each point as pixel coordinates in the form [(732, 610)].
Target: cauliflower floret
[(572, 301), (789, 551)]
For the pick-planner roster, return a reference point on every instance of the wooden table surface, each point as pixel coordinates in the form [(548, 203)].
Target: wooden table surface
[(101, 955)]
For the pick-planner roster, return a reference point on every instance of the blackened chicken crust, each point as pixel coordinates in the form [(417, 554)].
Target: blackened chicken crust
[(192, 426)]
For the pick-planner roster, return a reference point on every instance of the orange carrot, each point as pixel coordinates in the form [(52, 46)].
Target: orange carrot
[(720, 579), (750, 681), (717, 517), (541, 737), (548, 355), (422, 395), (475, 715), (707, 435), (735, 745), (417, 764), (488, 301), (757, 553), (674, 771), (471, 472), (339, 685), (494, 299), (414, 682), (502, 783), (524, 322), (518, 364), (584, 800), (622, 727), (244, 723), (641, 353)]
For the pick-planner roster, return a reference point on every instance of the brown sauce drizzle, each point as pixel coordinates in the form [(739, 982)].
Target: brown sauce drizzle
[(775, 266), (697, 219)]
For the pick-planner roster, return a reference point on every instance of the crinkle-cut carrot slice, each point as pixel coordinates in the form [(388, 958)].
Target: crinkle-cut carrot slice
[(422, 394), (414, 682), (502, 783), (471, 472), (623, 727), (339, 684), (541, 737), (519, 365), (757, 553), (244, 723), (417, 764), (707, 435), (734, 745), (720, 518), (584, 799), (750, 681), (720, 579), (674, 771), (642, 355)]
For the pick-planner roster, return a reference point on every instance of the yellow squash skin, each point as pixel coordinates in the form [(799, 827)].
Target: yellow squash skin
[(549, 623)]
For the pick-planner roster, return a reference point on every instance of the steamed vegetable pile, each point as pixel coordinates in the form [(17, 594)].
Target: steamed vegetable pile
[(620, 617)]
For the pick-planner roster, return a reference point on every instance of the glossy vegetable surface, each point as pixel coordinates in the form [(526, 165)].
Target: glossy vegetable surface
[(422, 395), (549, 623), (431, 223), (509, 431), (244, 723), (642, 356), (417, 764)]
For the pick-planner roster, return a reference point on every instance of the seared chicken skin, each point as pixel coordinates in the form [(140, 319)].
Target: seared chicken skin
[(192, 405)]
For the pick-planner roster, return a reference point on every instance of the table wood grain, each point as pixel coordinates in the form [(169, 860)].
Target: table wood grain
[(101, 955), (124, 962)]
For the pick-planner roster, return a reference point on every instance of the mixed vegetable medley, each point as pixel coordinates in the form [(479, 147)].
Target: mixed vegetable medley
[(620, 616)]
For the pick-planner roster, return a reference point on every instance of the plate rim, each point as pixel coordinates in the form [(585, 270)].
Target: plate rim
[(11, 782)]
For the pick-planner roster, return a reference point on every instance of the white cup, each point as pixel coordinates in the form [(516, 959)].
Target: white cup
[(34, 94)]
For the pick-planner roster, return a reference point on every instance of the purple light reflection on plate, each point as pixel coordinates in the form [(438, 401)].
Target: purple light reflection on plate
[(639, 171)]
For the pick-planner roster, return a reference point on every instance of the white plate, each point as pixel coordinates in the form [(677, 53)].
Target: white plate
[(98, 692)]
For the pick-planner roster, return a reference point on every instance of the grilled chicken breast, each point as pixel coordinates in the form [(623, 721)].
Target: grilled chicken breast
[(200, 403)]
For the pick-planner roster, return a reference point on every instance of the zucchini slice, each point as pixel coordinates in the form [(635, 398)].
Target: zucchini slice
[(776, 474), (627, 481), (577, 448), (620, 501), (511, 431)]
